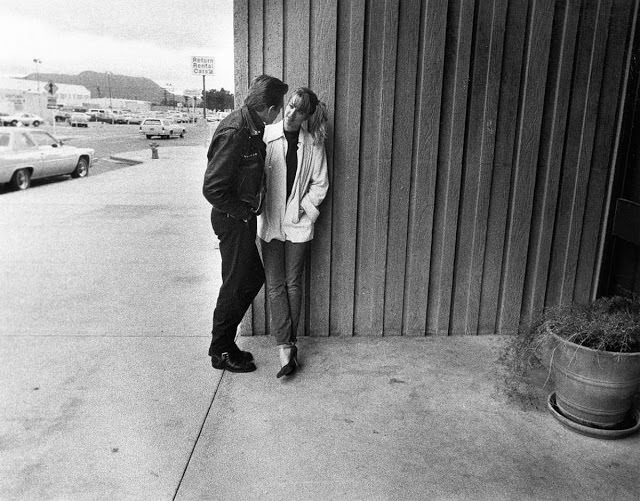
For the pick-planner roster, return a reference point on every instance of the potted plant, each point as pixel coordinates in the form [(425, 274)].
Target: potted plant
[(592, 353)]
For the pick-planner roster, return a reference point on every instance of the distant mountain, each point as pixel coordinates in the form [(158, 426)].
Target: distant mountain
[(122, 86)]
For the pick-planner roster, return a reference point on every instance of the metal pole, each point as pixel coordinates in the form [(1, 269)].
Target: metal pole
[(204, 100), (109, 82), (110, 99), (38, 62)]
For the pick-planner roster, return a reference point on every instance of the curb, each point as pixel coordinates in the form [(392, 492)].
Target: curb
[(127, 161)]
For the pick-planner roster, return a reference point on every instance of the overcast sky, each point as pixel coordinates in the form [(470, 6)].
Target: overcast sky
[(141, 38)]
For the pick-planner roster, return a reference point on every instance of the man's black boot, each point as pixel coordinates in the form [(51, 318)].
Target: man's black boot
[(246, 356), (233, 362)]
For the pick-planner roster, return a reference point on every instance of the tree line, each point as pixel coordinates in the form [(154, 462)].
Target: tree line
[(219, 100)]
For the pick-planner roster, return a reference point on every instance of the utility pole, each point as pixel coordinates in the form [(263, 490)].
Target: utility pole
[(38, 62), (172, 102), (109, 84), (110, 99), (204, 99)]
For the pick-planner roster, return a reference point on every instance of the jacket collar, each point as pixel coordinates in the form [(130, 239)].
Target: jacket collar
[(255, 124), (276, 131)]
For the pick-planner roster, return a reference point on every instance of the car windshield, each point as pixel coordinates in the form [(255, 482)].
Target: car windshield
[(43, 139), (152, 122)]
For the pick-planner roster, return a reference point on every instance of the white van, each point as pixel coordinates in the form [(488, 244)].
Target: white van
[(94, 113), (162, 127)]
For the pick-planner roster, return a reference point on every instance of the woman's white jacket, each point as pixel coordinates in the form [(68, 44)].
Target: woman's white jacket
[(292, 219)]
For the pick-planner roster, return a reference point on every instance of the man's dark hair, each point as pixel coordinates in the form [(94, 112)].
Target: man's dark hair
[(265, 91)]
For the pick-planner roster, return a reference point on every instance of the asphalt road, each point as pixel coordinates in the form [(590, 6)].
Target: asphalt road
[(111, 139)]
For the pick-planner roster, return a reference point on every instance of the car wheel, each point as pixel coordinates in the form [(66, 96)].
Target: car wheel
[(14, 123), (82, 169), (149, 136), (21, 179), (182, 134)]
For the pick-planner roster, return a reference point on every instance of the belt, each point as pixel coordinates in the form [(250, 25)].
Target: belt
[(229, 215)]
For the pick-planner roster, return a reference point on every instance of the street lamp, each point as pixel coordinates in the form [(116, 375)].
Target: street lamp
[(170, 88), (109, 85), (38, 61)]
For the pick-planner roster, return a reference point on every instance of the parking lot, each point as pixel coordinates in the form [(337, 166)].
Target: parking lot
[(109, 139), (112, 139)]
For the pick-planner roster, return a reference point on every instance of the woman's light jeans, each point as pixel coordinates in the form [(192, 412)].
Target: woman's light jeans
[(283, 267)]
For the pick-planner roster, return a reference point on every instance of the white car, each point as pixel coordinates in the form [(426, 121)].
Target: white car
[(162, 127), (32, 154), (23, 118), (79, 120)]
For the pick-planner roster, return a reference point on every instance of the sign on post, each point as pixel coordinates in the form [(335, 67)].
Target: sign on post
[(203, 65), (51, 88), (52, 102)]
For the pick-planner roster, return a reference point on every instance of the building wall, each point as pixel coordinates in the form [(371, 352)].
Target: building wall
[(20, 95), (470, 153), (117, 104)]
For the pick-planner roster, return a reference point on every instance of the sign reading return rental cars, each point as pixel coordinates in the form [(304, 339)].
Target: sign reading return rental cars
[(203, 65)]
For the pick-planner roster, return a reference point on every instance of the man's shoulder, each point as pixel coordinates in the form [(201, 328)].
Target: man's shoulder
[(233, 120), (232, 126), (230, 133)]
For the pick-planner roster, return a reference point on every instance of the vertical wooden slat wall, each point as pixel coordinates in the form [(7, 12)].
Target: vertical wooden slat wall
[(470, 146)]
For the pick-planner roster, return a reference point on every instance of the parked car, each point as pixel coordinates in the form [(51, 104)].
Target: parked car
[(61, 116), (23, 118), (95, 113), (34, 154), (133, 119), (112, 117), (79, 120), (179, 117), (162, 127)]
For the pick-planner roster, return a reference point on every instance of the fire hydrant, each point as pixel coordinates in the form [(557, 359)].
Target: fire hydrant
[(154, 150)]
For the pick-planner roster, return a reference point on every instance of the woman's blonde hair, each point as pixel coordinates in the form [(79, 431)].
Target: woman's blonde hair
[(306, 101)]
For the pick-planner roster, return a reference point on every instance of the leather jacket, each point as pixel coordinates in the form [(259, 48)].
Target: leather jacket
[(234, 180)]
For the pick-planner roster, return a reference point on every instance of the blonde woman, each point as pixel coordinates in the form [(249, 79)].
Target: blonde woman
[(297, 182)]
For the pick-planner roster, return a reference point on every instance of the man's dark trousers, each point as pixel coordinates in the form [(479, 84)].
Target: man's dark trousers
[(242, 278)]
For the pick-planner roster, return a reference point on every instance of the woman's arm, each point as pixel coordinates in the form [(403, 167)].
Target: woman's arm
[(318, 184)]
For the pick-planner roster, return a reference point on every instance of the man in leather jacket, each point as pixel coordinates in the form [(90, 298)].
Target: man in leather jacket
[(234, 185)]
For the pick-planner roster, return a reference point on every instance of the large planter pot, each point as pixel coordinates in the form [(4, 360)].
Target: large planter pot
[(593, 387)]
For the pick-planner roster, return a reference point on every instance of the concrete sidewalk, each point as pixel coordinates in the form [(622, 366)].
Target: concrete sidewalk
[(107, 393)]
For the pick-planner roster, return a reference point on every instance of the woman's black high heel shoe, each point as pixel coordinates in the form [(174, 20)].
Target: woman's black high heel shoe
[(290, 367)]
